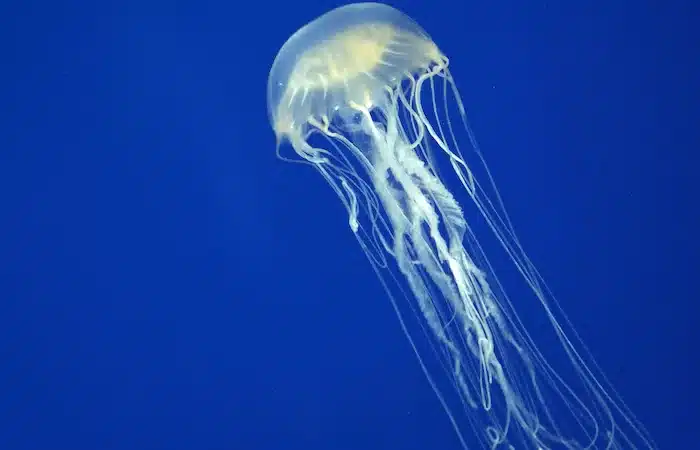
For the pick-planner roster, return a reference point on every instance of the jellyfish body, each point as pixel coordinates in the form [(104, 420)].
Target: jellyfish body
[(375, 91)]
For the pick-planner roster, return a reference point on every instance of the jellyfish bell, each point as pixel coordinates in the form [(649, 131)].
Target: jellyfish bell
[(348, 58), (365, 96)]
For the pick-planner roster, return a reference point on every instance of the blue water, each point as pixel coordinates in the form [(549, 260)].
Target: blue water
[(166, 283)]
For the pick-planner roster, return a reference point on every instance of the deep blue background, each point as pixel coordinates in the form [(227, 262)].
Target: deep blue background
[(166, 283)]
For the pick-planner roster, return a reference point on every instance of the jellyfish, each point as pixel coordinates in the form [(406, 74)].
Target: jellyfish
[(364, 96)]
